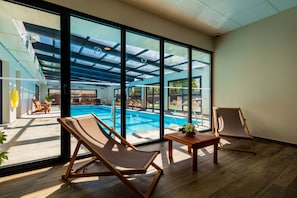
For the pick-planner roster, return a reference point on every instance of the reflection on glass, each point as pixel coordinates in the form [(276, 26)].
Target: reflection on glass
[(142, 88), (95, 72), (177, 88), (30, 79), (201, 95)]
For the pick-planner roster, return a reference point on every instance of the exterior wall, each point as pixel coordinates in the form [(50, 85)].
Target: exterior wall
[(255, 69), (12, 69)]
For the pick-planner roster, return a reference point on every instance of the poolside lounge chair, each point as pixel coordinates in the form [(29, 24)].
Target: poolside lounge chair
[(230, 123), (121, 158), (39, 107)]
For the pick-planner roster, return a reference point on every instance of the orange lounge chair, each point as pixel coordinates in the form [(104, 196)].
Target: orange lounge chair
[(120, 158), (230, 123), (41, 107)]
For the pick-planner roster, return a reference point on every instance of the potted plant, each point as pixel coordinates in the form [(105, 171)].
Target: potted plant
[(48, 98), (3, 155), (188, 129)]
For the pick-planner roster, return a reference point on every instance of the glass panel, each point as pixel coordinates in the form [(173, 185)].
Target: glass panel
[(142, 73), (176, 91), (30, 55), (153, 97), (95, 72), (201, 93)]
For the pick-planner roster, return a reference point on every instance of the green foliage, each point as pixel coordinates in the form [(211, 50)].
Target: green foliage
[(188, 129), (49, 97), (2, 137), (3, 155)]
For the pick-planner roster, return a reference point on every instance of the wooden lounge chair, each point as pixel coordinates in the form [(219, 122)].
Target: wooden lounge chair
[(41, 107), (120, 157), (230, 123)]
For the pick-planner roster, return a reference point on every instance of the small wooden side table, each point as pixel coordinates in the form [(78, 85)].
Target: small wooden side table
[(200, 140)]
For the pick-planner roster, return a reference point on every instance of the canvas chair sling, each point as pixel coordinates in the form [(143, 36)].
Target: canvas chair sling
[(120, 158), (230, 122)]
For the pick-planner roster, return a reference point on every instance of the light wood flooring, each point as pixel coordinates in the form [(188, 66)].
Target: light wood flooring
[(270, 173)]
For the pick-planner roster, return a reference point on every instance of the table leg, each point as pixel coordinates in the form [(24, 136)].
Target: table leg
[(195, 159), (170, 149), (215, 153), (189, 149)]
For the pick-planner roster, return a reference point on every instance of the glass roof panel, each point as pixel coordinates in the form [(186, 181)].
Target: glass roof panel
[(150, 55), (157, 73), (174, 60), (50, 69), (133, 64), (133, 50), (79, 35), (50, 64), (46, 40), (83, 62), (182, 66), (112, 59), (148, 68), (57, 56), (95, 53), (133, 73), (198, 64), (103, 42), (201, 56), (168, 71), (116, 70), (37, 51), (100, 66), (75, 48), (57, 43), (145, 76)]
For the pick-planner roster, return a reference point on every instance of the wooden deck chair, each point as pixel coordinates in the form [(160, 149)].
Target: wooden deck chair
[(230, 123), (40, 107), (121, 159)]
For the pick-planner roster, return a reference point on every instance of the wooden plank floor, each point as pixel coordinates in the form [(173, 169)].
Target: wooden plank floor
[(270, 173)]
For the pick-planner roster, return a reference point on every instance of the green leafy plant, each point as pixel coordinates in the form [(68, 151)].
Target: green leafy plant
[(188, 129), (3, 155), (49, 97)]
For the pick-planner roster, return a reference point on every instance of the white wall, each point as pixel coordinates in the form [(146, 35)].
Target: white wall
[(116, 11), (255, 69), (11, 69)]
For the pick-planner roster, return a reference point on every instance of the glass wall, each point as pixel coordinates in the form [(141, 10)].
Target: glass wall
[(201, 89), (30, 54), (153, 97), (142, 72), (95, 71), (176, 100)]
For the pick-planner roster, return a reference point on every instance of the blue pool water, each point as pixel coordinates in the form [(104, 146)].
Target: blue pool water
[(136, 121)]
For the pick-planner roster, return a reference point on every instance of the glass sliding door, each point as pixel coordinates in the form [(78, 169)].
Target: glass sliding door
[(176, 91), (201, 89), (30, 54), (95, 71), (153, 97), (142, 74)]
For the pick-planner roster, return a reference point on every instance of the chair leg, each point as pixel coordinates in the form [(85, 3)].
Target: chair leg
[(69, 169), (250, 150), (151, 187)]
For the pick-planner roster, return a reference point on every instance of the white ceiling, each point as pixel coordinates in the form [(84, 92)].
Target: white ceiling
[(213, 17)]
